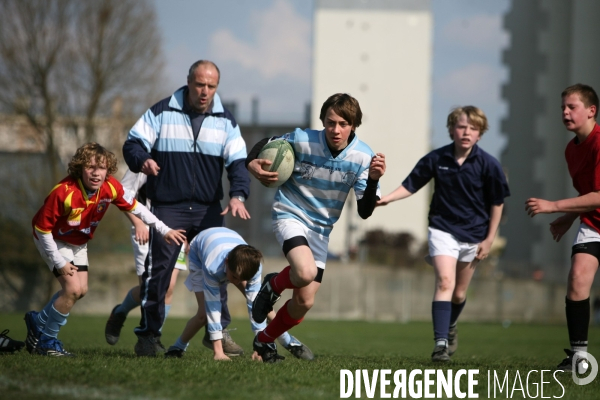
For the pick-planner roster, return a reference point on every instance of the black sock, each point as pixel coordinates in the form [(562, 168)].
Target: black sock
[(578, 322), (456, 310)]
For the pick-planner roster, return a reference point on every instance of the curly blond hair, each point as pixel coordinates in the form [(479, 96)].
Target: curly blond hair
[(83, 157)]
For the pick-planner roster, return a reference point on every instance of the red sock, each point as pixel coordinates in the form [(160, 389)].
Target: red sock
[(282, 281), (282, 322)]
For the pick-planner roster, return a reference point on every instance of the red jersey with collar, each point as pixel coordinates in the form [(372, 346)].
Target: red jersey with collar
[(71, 216), (583, 160)]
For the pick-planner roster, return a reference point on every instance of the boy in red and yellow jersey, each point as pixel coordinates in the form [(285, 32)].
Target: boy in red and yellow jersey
[(61, 230)]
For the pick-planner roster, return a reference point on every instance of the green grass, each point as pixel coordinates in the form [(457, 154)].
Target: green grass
[(101, 371)]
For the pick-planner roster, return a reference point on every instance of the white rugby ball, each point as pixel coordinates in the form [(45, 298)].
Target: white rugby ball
[(281, 154)]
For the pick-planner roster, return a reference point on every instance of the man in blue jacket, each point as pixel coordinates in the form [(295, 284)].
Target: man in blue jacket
[(183, 143)]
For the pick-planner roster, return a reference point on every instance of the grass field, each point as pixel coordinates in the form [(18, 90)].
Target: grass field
[(101, 371)]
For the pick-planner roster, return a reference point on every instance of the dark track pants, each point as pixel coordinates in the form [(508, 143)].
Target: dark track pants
[(162, 258)]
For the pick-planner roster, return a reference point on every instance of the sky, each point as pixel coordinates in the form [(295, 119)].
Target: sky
[(264, 48)]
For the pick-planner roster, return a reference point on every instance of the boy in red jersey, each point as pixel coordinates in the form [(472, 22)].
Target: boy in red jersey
[(61, 230), (579, 113)]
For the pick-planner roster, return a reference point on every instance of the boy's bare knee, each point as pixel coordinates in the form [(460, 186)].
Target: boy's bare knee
[(304, 277), (444, 285), (73, 294)]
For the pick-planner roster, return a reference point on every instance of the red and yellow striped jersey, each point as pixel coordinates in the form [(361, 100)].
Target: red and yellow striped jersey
[(71, 216)]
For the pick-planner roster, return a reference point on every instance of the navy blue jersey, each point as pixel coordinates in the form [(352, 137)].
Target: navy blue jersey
[(464, 194)]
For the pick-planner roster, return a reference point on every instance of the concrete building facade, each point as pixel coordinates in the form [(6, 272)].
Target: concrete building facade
[(554, 44), (379, 51)]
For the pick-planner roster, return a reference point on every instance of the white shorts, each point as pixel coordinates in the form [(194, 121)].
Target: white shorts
[(445, 244), (75, 254), (285, 229), (140, 252), (586, 234)]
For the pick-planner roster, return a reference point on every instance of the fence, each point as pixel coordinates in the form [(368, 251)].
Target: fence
[(348, 291)]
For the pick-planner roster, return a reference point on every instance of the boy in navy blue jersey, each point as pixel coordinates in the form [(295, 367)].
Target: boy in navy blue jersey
[(464, 214)]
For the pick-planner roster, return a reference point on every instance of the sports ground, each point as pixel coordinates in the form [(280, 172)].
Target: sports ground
[(101, 371)]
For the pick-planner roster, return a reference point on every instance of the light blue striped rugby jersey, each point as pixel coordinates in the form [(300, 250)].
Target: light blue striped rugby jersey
[(171, 131), (317, 190), (208, 251)]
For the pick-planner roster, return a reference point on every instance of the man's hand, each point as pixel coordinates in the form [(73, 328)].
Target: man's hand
[(535, 206), (68, 269), (377, 167), (150, 167), (256, 357), (483, 250), (255, 167), (176, 236), (237, 208), (560, 226)]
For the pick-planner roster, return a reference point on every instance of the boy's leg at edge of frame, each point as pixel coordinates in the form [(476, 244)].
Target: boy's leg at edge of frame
[(577, 302)]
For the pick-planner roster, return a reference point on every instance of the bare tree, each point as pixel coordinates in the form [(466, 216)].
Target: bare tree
[(33, 34), (64, 64), (120, 56), (62, 59)]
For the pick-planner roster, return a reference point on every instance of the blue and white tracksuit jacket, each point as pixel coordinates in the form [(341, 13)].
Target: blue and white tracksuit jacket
[(190, 149)]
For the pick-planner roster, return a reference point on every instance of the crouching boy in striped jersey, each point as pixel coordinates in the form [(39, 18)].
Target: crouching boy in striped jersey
[(328, 163), (61, 230), (218, 256)]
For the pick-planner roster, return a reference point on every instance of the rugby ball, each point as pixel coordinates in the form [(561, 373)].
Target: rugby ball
[(281, 154)]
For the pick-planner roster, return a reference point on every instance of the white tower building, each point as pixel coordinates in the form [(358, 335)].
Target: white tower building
[(379, 51)]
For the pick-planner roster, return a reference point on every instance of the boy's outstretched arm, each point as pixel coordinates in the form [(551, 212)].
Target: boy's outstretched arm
[(581, 204), (398, 194), (484, 247), (170, 235)]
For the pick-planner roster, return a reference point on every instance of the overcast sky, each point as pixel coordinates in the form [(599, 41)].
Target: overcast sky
[(264, 48)]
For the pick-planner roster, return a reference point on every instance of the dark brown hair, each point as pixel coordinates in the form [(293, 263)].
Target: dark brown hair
[(244, 260), (83, 157), (586, 93), (345, 106)]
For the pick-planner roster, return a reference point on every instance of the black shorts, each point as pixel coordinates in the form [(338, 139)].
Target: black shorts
[(297, 241), (592, 248)]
